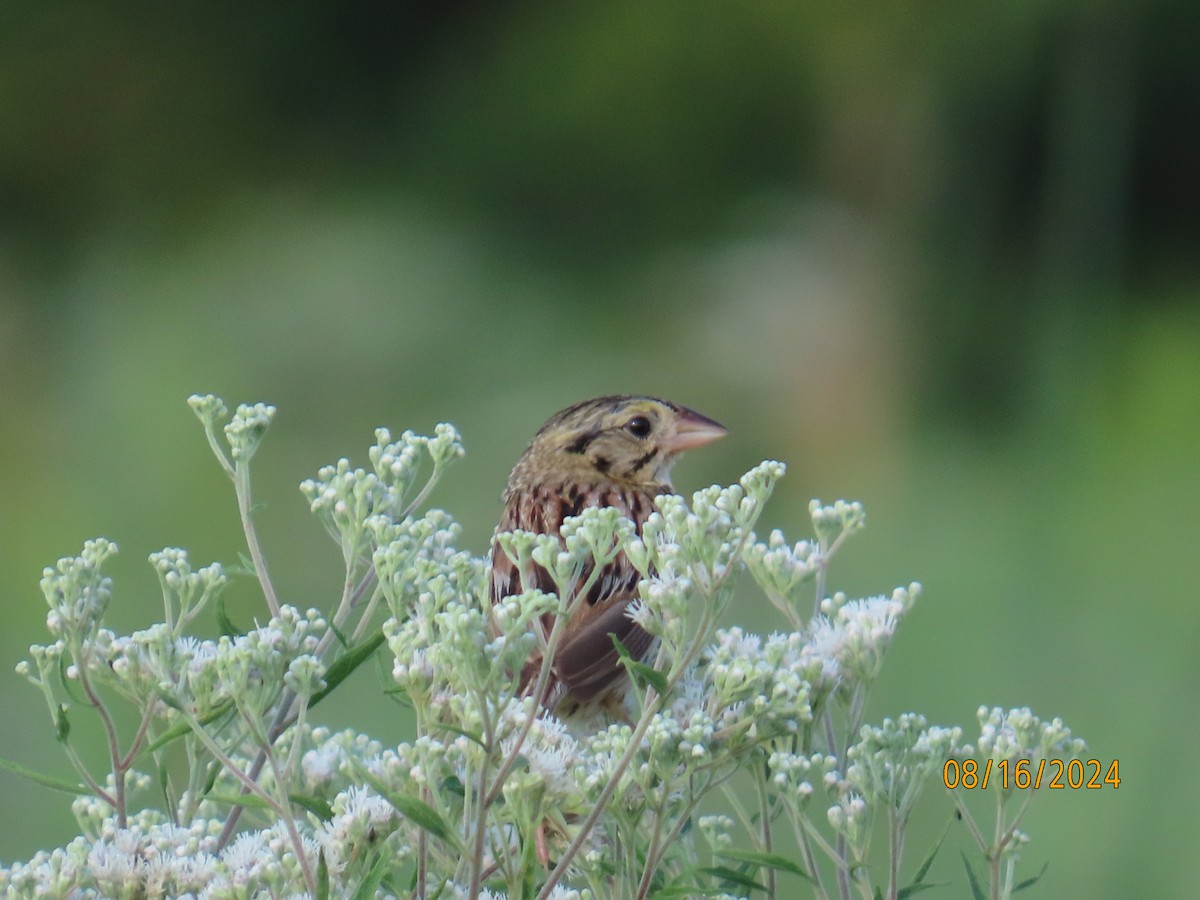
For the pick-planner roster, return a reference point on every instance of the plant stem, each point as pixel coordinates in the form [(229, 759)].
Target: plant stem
[(110, 735), (653, 851), (482, 793), (764, 815), (241, 484), (289, 821), (606, 793), (895, 848)]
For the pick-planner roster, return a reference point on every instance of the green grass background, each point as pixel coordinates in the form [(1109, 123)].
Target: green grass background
[(942, 262)]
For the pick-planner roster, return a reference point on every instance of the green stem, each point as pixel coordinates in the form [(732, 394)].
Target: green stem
[(895, 848), (111, 739), (289, 821), (764, 816), (482, 794), (653, 852), (648, 714), (241, 482), (806, 850)]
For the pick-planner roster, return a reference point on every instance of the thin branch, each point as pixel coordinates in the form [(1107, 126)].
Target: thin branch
[(764, 814), (489, 737), (110, 735), (241, 482), (606, 793)]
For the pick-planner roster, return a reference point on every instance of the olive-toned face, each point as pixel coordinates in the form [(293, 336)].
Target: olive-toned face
[(627, 440)]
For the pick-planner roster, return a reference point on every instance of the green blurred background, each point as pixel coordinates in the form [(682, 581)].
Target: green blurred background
[(939, 258)]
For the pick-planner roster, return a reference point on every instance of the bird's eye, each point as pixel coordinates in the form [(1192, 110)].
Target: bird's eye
[(638, 426)]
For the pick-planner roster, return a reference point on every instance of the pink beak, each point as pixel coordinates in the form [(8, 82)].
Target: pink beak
[(692, 430)]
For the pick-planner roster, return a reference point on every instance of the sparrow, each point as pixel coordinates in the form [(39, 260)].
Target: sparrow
[(612, 451)]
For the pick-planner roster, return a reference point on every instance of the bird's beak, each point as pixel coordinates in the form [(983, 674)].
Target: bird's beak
[(693, 430)]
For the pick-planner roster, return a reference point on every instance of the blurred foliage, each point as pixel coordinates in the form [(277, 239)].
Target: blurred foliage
[(939, 258)]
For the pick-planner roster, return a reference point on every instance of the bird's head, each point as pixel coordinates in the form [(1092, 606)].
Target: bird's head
[(627, 440)]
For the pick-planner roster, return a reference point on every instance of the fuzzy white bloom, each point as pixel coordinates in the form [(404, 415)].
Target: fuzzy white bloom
[(1016, 733), (852, 636), (550, 750), (247, 858), (487, 773), (360, 818)]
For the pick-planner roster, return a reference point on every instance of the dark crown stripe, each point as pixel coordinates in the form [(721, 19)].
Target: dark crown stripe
[(581, 443)]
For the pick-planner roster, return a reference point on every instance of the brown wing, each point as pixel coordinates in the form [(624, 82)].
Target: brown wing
[(587, 663)]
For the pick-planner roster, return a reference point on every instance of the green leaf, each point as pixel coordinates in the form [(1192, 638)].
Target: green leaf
[(415, 810), (733, 876), (1030, 882), (622, 650), (684, 890), (165, 696), (469, 735), (179, 729), (322, 877), (251, 801), (366, 890), (45, 780), (398, 695), (345, 664), (224, 623), (337, 632), (318, 806), (454, 785), (769, 860), (214, 769), (685, 884), (164, 785), (71, 685), (639, 671), (245, 565), (917, 888), (62, 725), (923, 869), (421, 814), (976, 888), (646, 675)]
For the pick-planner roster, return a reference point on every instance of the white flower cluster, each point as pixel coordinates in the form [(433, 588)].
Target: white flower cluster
[(688, 555), (247, 428), (756, 688), (458, 892), (783, 570), (551, 752), (185, 592), (891, 761), (345, 498), (1015, 734), (152, 857), (836, 521), (415, 556), (77, 593), (704, 541), (198, 677), (851, 637), (793, 775), (587, 543), (493, 794), (361, 824)]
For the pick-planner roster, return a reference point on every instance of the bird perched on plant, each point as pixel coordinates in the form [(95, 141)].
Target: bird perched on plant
[(611, 451)]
